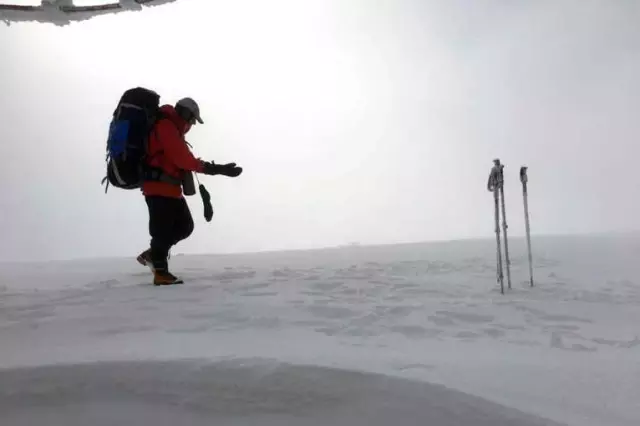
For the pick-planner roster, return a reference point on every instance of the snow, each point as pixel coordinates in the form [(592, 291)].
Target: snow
[(351, 335), (49, 10), (239, 392)]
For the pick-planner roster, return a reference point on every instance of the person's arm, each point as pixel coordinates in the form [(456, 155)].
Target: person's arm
[(176, 149)]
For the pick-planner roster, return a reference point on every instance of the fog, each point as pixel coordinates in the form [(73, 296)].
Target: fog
[(354, 121)]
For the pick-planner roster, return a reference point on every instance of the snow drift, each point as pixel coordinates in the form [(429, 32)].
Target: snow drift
[(332, 320), (238, 392)]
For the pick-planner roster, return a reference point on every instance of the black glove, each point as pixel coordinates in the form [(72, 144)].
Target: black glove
[(206, 201), (230, 169)]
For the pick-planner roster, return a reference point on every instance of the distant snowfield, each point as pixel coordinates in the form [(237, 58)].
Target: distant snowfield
[(267, 338)]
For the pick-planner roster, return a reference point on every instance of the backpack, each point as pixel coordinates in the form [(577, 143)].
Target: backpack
[(133, 119)]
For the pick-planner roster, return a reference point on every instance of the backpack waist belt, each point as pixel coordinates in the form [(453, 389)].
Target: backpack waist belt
[(158, 175)]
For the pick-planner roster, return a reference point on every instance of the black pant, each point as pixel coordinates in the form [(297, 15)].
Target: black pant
[(170, 222)]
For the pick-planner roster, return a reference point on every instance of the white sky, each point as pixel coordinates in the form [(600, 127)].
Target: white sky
[(354, 120)]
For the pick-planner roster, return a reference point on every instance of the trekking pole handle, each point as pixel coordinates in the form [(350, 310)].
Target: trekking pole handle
[(495, 175), (523, 174)]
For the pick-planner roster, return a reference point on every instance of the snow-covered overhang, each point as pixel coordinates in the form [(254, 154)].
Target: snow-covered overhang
[(63, 12)]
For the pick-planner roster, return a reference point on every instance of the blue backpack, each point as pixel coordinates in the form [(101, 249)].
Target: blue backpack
[(132, 121)]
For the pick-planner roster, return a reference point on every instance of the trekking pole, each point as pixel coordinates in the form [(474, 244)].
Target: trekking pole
[(498, 246), (524, 179), (492, 185), (504, 225)]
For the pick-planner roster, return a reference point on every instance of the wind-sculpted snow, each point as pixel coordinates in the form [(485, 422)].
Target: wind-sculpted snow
[(239, 392), (567, 349)]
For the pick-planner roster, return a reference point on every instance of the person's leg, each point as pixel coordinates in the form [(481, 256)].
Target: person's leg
[(161, 224), (183, 225)]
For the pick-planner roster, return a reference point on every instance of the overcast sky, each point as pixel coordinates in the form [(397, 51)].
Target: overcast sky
[(354, 120)]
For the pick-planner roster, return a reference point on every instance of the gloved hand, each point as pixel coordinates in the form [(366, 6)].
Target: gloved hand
[(230, 169)]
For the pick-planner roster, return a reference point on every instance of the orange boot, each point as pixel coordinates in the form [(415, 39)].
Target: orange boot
[(144, 259), (164, 277)]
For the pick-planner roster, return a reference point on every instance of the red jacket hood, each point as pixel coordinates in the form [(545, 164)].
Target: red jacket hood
[(170, 113)]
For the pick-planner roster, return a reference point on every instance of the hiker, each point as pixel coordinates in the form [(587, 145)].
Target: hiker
[(170, 220)]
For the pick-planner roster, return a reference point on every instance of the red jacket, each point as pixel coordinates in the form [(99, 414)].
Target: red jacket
[(168, 150)]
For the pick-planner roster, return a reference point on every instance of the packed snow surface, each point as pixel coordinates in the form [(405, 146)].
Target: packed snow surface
[(403, 335)]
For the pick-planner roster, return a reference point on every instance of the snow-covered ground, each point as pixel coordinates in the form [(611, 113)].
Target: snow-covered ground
[(268, 337)]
